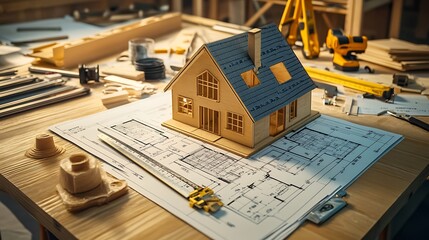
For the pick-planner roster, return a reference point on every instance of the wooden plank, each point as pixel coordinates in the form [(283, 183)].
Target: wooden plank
[(323, 3), (322, 6), (197, 7), (118, 41), (236, 9), (177, 5), (213, 9), (258, 14), (330, 9), (371, 5), (397, 54), (357, 18), (212, 22), (107, 43), (348, 22), (393, 45), (401, 66)]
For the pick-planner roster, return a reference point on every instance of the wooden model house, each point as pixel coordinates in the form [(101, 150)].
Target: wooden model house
[(242, 93)]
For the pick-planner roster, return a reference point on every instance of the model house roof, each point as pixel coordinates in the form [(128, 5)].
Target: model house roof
[(231, 55)]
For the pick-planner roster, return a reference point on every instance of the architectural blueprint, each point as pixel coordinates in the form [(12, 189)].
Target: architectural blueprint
[(265, 196), (411, 104)]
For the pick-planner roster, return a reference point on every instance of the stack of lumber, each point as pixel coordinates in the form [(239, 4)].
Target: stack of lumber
[(397, 54)]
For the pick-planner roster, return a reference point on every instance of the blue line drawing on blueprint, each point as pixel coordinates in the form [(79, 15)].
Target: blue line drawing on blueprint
[(265, 196)]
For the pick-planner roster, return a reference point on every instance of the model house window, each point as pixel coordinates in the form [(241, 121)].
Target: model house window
[(185, 105), (250, 78), (293, 109), (234, 122), (280, 72), (207, 86)]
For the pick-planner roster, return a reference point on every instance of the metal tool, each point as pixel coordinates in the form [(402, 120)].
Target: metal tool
[(9, 82), (198, 196), (87, 74), (44, 101), (31, 87), (8, 72), (37, 96), (327, 210), (43, 70), (410, 119)]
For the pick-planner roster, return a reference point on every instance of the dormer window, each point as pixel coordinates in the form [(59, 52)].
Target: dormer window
[(250, 78), (207, 86), (280, 72)]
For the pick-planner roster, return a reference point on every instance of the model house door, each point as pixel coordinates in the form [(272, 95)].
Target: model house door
[(209, 120), (277, 121)]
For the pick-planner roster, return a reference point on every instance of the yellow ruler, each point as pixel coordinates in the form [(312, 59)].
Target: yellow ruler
[(376, 89)]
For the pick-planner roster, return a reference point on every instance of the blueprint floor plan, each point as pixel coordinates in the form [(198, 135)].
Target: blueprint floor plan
[(265, 196)]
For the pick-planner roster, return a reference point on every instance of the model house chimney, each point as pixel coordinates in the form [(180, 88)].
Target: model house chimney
[(254, 47)]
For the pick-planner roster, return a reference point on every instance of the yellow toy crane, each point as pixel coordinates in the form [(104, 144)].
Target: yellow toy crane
[(302, 18), (344, 49)]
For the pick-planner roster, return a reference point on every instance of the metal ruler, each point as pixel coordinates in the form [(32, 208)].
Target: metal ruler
[(198, 196)]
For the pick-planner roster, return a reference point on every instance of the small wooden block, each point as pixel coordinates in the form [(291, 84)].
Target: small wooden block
[(127, 71), (113, 98)]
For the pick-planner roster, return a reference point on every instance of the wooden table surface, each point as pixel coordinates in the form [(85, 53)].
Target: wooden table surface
[(373, 199)]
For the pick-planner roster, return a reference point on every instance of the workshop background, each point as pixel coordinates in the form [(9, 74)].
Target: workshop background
[(409, 20), (377, 23)]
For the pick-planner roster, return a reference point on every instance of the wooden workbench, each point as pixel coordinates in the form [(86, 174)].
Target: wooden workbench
[(373, 200)]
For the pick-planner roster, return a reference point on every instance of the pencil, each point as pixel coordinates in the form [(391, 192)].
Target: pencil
[(27, 29)]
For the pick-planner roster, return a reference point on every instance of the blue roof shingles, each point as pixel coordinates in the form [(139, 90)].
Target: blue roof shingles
[(232, 57)]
